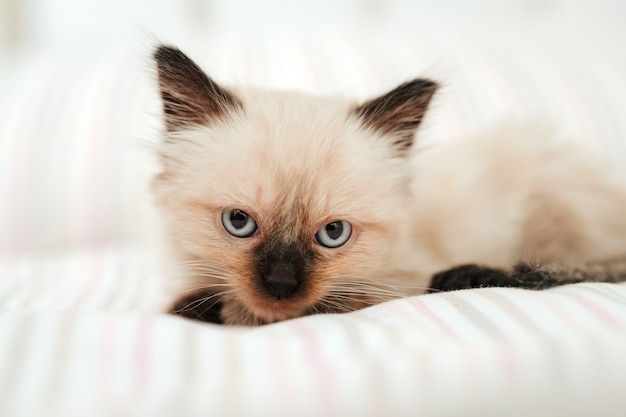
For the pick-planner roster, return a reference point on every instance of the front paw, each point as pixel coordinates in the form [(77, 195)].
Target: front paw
[(468, 276)]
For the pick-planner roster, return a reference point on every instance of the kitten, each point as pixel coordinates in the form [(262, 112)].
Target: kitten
[(281, 204)]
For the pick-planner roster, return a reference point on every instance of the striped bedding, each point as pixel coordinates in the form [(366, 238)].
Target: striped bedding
[(89, 345), (80, 328)]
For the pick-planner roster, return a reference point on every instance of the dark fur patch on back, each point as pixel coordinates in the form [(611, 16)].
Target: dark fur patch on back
[(399, 112), (189, 96)]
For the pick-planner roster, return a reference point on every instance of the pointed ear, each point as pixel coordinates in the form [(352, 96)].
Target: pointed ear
[(189, 96), (399, 112)]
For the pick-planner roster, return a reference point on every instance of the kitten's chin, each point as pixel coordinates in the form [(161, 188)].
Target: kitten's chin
[(235, 312), (266, 311)]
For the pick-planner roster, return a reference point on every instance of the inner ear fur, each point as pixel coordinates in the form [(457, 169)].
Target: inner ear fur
[(398, 113), (189, 96)]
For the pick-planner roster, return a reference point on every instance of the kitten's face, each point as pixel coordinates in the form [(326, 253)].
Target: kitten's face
[(281, 204)]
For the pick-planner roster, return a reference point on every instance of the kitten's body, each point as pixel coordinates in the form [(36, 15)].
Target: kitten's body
[(514, 194), (297, 164)]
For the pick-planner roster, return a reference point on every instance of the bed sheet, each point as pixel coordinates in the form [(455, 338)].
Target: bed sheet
[(79, 337)]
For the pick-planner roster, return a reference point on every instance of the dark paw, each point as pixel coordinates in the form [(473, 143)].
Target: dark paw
[(531, 277), (468, 276)]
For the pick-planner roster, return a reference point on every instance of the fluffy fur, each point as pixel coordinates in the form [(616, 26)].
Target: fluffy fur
[(296, 162)]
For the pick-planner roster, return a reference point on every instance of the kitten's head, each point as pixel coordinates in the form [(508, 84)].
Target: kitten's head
[(281, 204)]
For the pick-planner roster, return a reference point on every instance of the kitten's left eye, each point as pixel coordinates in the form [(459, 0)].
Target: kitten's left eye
[(238, 223), (334, 234)]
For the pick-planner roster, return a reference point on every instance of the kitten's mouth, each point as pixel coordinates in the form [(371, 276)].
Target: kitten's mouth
[(207, 307), (279, 310), (274, 310)]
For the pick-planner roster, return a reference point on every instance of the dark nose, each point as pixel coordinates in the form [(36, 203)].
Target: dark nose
[(282, 268), (280, 286)]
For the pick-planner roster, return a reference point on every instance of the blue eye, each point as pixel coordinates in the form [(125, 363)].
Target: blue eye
[(334, 235), (238, 223)]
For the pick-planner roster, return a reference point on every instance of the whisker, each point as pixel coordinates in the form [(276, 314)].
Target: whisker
[(204, 287), (362, 288), (189, 268), (389, 287), (358, 279), (366, 291), (199, 270), (376, 286), (334, 306), (199, 265), (197, 303), (364, 300), (207, 275), (315, 310)]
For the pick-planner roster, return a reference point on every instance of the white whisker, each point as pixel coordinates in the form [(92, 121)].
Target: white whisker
[(200, 301)]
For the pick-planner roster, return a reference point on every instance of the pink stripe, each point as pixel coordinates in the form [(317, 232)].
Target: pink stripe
[(553, 304), (594, 309), (143, 352), (96, 222), (311, 349), (106, 357), (20, 172), (509, 359), (94, 282), (409, 316), (420, 306), (281, 379), (471, 364)]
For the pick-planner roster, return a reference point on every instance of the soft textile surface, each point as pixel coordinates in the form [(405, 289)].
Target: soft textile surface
[(80, 332), (75, 348)]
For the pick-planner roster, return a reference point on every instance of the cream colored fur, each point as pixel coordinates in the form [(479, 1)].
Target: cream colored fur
[(512, 194), (296, 162)]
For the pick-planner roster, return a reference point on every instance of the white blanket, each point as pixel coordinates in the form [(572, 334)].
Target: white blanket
[(74, 342)]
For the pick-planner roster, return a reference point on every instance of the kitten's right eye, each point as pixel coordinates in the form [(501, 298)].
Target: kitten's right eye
[(238, 223)]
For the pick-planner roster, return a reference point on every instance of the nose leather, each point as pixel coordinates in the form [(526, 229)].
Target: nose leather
[(281, 286), (282, 268)]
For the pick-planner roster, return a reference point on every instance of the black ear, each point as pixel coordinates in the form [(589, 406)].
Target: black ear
[(189, 96), (399, 112)]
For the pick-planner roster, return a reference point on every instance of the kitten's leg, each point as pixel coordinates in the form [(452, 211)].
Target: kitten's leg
[(528, 276)]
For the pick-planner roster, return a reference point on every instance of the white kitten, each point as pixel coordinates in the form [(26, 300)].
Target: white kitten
[(283, 204)]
